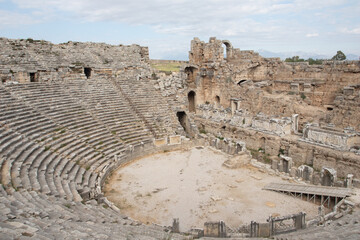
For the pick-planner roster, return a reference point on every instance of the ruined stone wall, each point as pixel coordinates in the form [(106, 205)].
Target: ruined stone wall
[(273, 146), (269, 85), (241, 96), (40, 61), (345, 110)]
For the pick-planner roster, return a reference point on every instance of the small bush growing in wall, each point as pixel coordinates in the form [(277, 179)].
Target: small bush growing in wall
[(303, 96), (267, 159), (202, 131)]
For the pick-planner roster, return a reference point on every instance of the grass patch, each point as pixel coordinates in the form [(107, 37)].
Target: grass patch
[(266, 158), (202, 131), (167, 66)]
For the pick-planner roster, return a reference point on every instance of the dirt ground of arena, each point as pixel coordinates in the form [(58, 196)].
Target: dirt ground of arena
[(194, 186)]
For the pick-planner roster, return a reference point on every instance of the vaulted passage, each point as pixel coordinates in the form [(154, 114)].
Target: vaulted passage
[(191, 99), (87, 72), (183, 120)]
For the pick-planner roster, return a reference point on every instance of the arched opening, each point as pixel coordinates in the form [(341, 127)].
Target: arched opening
[(87, 72), (217, 101), (328, 176), (227, 50), (241, 81), (184, 122), (191, 99), (191, 74), (262, 144)]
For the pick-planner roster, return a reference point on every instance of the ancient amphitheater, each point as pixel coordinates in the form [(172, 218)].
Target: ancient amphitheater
[(73, 113)]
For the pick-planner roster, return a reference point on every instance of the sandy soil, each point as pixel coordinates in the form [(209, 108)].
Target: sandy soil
[(194, 187)]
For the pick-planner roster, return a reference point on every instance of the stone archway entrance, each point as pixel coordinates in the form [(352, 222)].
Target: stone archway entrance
[(184, 122), (328, 176), (191, 99), (227, 50)]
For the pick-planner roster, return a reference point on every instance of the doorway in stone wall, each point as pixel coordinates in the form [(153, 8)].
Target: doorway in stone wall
[(191, 100), (327, 177), (33, 77), (217, 101), (262, 144), (87, 72), (184, 122), (191, 74)]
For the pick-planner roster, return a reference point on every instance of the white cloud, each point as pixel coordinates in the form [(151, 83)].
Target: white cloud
[(12, 19), (261, 22), (351, 31), (309, 35)]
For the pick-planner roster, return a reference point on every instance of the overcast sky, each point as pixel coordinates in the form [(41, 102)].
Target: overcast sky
[(168, 26)]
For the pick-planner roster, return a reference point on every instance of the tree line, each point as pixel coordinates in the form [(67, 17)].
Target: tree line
[(339, 56)]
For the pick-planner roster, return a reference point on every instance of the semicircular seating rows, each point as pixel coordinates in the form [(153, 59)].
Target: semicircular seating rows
[(57, 142)]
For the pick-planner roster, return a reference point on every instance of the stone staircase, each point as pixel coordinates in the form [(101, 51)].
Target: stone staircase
[(145, 100), (34, 214)]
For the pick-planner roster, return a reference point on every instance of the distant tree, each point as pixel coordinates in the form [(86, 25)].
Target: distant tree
[(314, 61), (294, 59), (339, 56)]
